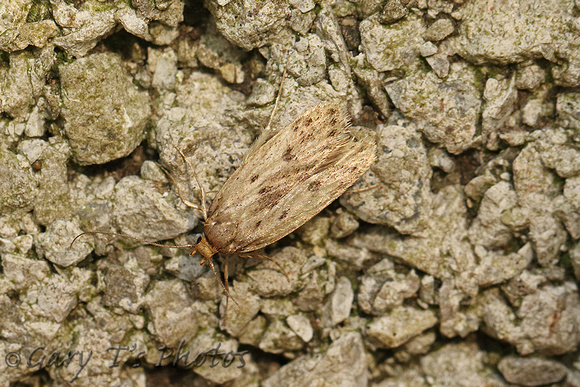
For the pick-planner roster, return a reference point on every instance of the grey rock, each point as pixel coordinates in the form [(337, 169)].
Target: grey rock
[(383, 289), (278, 338), (369, 78), (105, 113), (569, 209), (343, 364), (354, 257), (529, 76), (399, 326), (531, 371), (535, 187), (318, 283), (186, 267), (541, 333), (35, 123), (460, 364), (141, 211), (391, 47), (439, 30), (124, 284), (532, 328), (217, 374), (568, 108), (277, 308), (440, 159), (440, 64), (57, 295), (500, 99), (338, 307), (174, 317), (442, 251), (21, 271), (537, 110), (254, 331), (54, 197), (167, 12), (17, 186), (55, 243), (522, 285), (393, 11), (22, 29), (203, 122), (307, 63), (300, 324), (447, 110), (496, 268), (557, 152), (237, 318), (315, 231), (575, 258), (84, 26), (162, 63), (250, 25), (459, 315), (505, 36), (267, 280), (403, 198), (428, 49), (487, 229), (343, 224), (21, 83)]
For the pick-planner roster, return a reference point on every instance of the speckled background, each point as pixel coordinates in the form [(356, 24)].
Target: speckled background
[(459, 266)]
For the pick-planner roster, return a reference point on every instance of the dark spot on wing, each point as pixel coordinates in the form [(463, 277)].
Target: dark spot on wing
[(308, 121), (284, 215), (333, 121), (254, 178), (332, 111), (265, 190), (288, 156), (314, 186), (258, 223)]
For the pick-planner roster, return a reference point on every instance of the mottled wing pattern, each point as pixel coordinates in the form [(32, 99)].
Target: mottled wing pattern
[(287, 181)]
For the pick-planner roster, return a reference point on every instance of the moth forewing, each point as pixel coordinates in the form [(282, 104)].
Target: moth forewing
[(288, 180)]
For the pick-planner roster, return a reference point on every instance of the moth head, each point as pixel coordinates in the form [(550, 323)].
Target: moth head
[(204, 248)]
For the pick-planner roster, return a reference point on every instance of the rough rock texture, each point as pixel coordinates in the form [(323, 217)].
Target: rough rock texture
[(453, 261), (104, 113)]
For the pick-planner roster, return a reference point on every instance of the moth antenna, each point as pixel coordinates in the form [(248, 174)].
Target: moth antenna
[(203, 209), (130, 237), (228, 295), (265, 134), (357, 190), (278, 96), (185, 201)]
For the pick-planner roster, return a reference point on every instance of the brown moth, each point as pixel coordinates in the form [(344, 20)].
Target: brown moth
[(283, 184)]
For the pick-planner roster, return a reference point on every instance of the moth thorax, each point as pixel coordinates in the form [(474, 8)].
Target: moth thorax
[(205, 249)]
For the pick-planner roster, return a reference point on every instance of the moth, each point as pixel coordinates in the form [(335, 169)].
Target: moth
[(281, 185)]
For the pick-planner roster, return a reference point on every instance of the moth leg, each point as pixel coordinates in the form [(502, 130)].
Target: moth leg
[(204, 209), (209, 261), (264, 256), (357, 190), (226, 282)]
